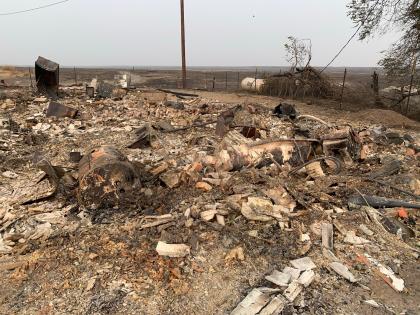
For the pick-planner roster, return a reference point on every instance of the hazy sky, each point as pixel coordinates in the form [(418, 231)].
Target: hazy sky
[(147, 32)]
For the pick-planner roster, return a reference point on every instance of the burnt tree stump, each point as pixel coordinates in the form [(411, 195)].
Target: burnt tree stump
[(106, 178)]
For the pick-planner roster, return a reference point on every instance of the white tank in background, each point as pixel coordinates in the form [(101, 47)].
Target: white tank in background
[(252, 84)]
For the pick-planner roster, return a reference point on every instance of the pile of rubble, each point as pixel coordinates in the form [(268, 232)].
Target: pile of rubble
[(341, 200)]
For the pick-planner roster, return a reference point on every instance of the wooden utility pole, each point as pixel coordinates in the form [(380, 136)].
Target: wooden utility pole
[(342, 87), (184, 66)]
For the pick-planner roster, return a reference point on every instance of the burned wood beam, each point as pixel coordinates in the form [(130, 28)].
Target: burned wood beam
[(106, 178), (380, 202), (177, 93)]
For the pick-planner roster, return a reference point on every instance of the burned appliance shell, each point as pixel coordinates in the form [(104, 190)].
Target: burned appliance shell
[(47, 76)]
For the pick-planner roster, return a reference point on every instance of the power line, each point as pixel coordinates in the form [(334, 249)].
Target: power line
[(33, 9), (352, 36)]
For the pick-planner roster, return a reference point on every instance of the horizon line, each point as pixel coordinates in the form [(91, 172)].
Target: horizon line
[(178, 67)]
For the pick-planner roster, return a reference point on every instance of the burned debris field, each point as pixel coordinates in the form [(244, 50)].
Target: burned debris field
[(117, 197)]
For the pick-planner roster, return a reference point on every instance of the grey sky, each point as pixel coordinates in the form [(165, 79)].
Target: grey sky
[(146, 32)]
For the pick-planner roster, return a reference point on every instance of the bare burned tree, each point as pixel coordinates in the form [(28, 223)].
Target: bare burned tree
[(378, 17), (298, 52)]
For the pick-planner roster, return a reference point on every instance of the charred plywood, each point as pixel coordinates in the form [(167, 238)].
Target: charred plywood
[(47, 76)]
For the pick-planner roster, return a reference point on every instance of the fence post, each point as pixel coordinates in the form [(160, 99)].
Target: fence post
[(255, 82), (30, 77), (214, 81), (239, 83), (342, 87), (75, 75), (205, 81), (375, 85), (226, 81)]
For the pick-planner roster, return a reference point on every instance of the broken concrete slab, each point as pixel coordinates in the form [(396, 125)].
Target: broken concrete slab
[(304, 263), (327, 233), (252, 304), (351, 238), (260, 209), (279, 278), (306, 278), (372, 303), (396, 283), (293, 272), (365, 230), (342, 271), (208, 215), (275, 306), (172, 250), (293, 290)]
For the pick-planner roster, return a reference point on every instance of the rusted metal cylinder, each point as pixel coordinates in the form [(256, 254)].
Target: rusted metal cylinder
[(106, 178)]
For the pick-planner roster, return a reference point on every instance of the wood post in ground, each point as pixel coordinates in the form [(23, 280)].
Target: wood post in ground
[(375, 86), (205, 81), (290, 86), (214, 81), (30, 77), (255, 82), (75, 76), (342, 88), (132, 71), (239, 83), (226, 81)]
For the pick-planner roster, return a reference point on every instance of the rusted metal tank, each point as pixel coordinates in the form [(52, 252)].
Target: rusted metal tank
[(106, 178)]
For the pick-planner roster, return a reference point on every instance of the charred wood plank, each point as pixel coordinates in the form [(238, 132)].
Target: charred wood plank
[(380, 202)]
